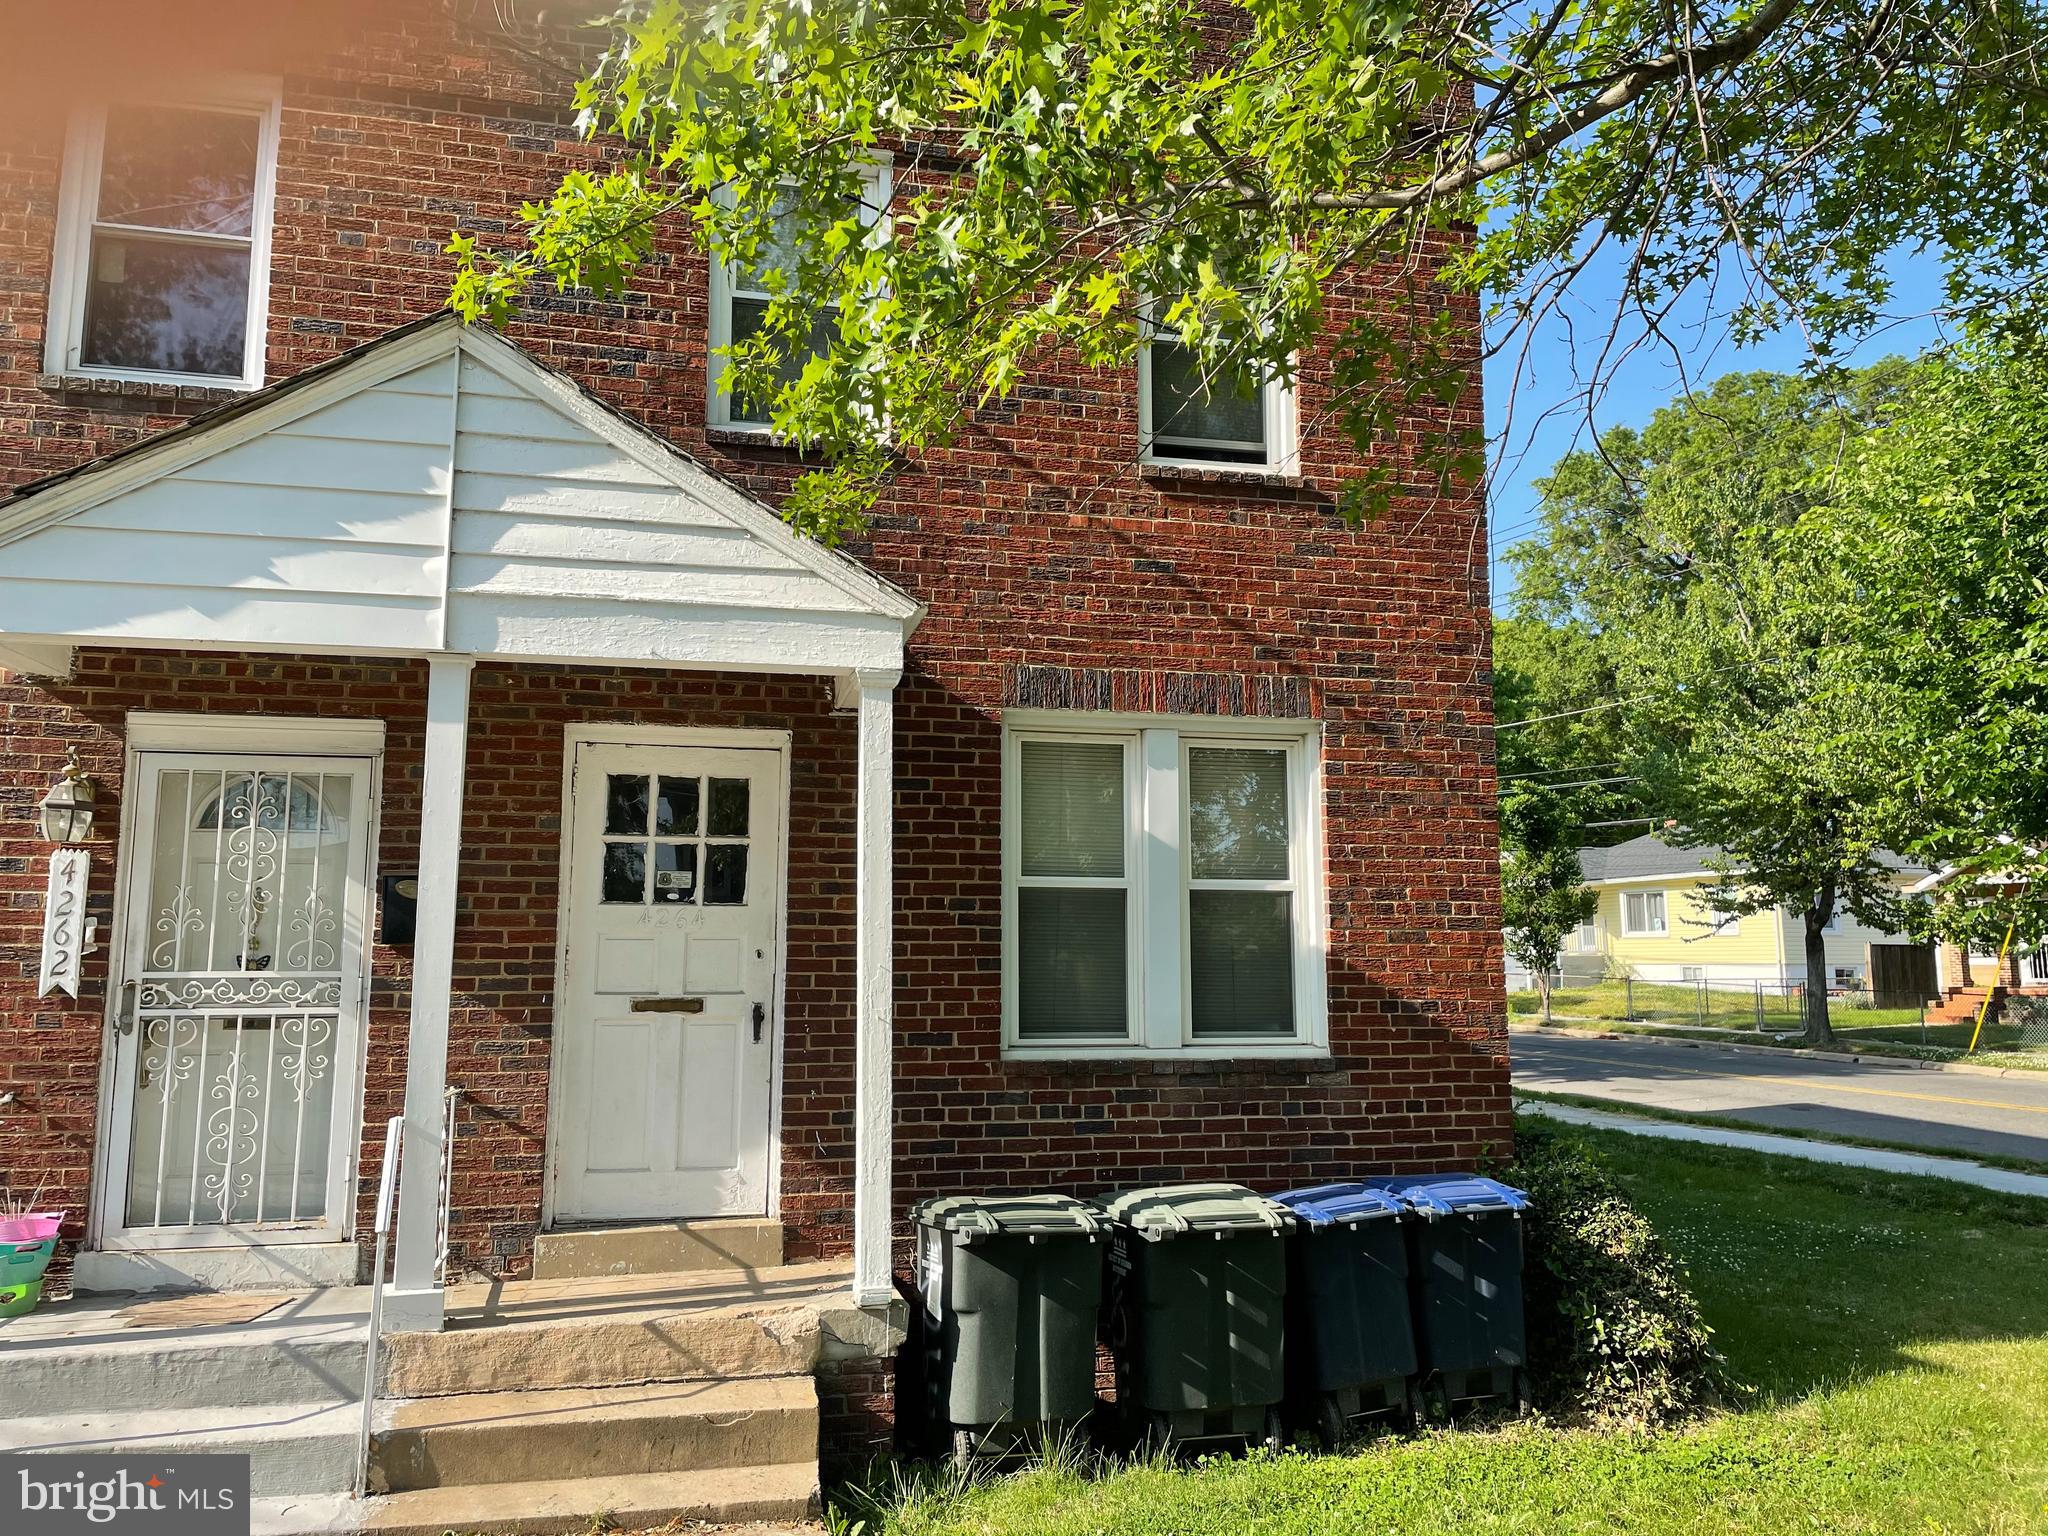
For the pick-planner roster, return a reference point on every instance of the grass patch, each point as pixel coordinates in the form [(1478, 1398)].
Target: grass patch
[(1895, 1331), (1867, 1032), (1800, 1133)]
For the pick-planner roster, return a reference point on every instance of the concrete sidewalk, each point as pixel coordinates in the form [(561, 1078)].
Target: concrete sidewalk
[(2002, 1180)]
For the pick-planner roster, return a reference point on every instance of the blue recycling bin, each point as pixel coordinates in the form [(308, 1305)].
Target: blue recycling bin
[(1350, 1333), (1465, 1257)]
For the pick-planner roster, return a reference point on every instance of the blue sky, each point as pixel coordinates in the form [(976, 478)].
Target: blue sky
[(1535, 410)]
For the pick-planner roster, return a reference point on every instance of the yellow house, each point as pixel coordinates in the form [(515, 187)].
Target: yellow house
[(1653, 924)]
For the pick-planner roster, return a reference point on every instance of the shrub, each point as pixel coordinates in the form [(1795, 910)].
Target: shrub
[(1614, 1331), (2028, 1013)]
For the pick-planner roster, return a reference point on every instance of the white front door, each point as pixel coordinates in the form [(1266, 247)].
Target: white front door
[(239, 994), (663, 1028)]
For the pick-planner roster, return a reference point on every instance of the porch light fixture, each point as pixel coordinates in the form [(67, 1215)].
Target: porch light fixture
[(67, 809)]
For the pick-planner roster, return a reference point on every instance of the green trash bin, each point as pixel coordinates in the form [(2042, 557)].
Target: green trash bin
[(1465, 1245), (1350, 1340), (1009, 1287), (1194, 1315)]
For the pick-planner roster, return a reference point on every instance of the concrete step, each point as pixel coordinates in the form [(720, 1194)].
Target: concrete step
[(87, 1357), (630, 1329), (292, 1447), (658, 1248), (716, 1495), (582, 1432)]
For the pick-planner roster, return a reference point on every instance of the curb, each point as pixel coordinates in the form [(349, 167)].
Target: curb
[(1838, 1154), (1781, 1052)]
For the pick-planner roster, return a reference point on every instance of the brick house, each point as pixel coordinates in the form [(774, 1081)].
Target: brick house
[(468, 730)]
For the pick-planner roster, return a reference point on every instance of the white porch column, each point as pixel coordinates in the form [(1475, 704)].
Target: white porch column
[(874, 969), (415, 1301)]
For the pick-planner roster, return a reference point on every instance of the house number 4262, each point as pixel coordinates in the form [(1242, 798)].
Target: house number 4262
[(67, 931)]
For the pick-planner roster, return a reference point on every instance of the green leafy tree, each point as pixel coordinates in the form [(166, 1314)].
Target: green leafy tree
[(1543, 896), (1758, 734), (1941, 528), (1073, 170), (1542, 676), (1677, 556)]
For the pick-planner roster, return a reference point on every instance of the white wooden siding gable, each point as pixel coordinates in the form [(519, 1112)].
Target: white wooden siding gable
[(440, 491)]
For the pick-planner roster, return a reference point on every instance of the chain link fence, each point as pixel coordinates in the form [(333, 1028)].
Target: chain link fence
[(1764, 1004)]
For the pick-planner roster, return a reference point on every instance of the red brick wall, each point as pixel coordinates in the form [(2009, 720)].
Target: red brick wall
[(1049, 561), (506, 928)]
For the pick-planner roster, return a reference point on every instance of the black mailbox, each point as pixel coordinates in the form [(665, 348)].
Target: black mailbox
[(398, 909)]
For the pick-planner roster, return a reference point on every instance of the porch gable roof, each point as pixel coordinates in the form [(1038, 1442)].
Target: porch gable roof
[(438, 490)]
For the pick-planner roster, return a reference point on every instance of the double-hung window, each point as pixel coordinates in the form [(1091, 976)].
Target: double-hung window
[(1642, 914), (741, 293), (1163, 887), (163, 239), (1189, 417)]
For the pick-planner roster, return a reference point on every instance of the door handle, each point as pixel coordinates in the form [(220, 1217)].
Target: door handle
[(760, 1018), (124, 1016), (666, 1005)]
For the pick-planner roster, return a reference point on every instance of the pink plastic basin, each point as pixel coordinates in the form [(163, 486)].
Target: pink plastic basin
[(30, 1229)]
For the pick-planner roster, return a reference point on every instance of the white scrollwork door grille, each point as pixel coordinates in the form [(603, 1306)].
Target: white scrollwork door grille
[(237, 1046)]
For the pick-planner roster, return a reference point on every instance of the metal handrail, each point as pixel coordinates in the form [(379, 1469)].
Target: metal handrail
[(394, 1134), (445, 1213)]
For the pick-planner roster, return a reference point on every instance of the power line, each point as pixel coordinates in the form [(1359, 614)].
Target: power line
[(1566, 714), (1540, 772), (1620, 778)]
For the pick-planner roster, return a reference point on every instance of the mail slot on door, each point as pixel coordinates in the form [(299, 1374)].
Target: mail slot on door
[(666, 1005)]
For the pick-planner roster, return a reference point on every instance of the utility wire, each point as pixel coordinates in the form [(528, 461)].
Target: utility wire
[(1534, 773)]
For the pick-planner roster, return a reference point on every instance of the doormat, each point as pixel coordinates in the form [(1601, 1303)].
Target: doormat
[(199, 1311)]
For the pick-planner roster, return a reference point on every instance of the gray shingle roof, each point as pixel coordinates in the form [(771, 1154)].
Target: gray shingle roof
[(1648, 856), (1641, 857)]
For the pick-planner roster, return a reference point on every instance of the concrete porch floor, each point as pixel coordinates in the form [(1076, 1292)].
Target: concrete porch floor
[(520, 1367)]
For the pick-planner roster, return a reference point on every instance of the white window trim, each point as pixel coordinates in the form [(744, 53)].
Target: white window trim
[(1160, 1011), (78, 205), (1630, 931), (878, 174), (1282, 426)]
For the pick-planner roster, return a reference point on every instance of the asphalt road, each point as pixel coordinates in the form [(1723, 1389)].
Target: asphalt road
[(1956, 1112)]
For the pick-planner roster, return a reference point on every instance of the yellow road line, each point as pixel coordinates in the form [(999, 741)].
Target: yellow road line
[(1876, 1093)]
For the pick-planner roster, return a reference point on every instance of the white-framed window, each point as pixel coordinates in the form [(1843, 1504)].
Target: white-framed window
[(1719, 924), (162, 260), (1586, 938), (1642, 914), (1185, 419), (1695, 974), (740, 295), (1163, 886)]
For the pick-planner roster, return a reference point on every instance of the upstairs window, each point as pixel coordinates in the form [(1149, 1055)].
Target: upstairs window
[(1642, 914), (741, 293), (1189, 418), (163, 241)]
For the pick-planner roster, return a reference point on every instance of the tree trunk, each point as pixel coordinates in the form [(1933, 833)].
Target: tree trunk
[(1817, 914), (1543, 991)]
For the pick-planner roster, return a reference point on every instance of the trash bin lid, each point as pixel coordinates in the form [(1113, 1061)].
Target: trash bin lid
[(1452, 1194), (1021, 1215), (1172, 1210), (1330, 1205)]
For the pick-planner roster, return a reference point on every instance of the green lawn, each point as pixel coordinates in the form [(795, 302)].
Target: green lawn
[(1895, 1330), (1877, 1030)]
